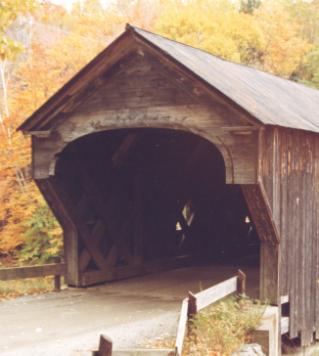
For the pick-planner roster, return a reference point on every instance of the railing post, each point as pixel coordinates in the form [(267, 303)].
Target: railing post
[(241, 283), (105, 346), (57, 283), (192, 305)]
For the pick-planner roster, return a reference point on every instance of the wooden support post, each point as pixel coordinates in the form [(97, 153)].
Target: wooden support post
[(105, 346), (267, 333), (269, 273), (241, 283), (57, 283), (181, 328), (192, 304), (261, 214), (55, 196)]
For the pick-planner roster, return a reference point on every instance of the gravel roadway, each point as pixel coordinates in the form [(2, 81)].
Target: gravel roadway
[(131, 312)]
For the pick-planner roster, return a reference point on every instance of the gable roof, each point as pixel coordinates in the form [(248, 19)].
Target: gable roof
[(270, 99)]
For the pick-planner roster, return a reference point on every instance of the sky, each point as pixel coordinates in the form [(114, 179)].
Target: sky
[(65, 3), (68, 3)]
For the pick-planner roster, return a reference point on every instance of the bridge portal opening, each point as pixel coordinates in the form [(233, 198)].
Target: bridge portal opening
[(144, 196)]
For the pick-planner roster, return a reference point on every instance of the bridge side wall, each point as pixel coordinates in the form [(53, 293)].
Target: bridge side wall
[(289, 172)]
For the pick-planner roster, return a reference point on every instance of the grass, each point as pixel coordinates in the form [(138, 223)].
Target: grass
[(223, 327), (28, 286), (218, 330), (22, 287)]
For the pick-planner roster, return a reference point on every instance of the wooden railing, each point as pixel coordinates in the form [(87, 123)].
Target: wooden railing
[(196, 302), (54, 269), (190, 306)]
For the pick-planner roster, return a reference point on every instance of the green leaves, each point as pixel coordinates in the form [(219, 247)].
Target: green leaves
[(223, 327), (9, 49), (43, 238)]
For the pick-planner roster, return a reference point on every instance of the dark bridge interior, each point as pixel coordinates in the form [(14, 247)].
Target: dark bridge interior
[(141, 195)]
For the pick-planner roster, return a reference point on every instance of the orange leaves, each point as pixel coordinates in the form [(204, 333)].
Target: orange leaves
[(277, 37)]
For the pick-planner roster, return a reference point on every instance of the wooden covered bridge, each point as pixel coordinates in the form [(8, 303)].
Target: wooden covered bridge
[(156, 150)]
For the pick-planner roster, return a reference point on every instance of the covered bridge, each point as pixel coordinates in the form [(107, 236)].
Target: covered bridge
[(157, 150)]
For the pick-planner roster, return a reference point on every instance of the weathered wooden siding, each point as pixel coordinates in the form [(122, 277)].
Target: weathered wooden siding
[(290, 175), (142, 92)]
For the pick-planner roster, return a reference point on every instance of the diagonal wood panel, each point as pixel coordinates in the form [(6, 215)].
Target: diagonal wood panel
[(260, 212), (269, 251)]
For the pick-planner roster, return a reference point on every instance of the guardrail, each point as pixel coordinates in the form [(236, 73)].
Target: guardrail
[(106, 349), (54, 269), (196, 302), (190, 306)]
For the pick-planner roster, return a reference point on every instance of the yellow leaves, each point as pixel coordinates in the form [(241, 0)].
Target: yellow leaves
[(268, 38), (283, 49), (216, 27)]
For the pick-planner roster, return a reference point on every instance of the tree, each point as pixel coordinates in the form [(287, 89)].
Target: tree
[(10, 172), (49, 63), (9, 49), (306, 15), (266, 38), (216, 26), (284, 49), (249, 6), (279, 36)]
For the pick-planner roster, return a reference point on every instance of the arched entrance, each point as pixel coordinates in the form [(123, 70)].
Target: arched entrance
[(143, 199)]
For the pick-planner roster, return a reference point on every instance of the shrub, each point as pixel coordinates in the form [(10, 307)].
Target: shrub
[(42, 238), (223, 327)]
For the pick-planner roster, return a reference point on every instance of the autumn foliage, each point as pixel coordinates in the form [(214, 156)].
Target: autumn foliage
[(43, 45)]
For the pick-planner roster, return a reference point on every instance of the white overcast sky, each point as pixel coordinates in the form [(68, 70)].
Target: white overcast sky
[(68, 3), (65, 3)]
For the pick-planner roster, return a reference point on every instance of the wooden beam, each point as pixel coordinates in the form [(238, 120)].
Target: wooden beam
[(192, 305), (143, 352), (52, 269), (105, 346), (241, 282), (83, 230), (96, 235), (93, 250), (52, 192), (122, 272), (284, 325), (104, 211), (123, 149), (284, 299), (269, 273), (138, 220), (267, 333), (184, 225), (181, 328), (41, 134), (260, 212), (215, 293)]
